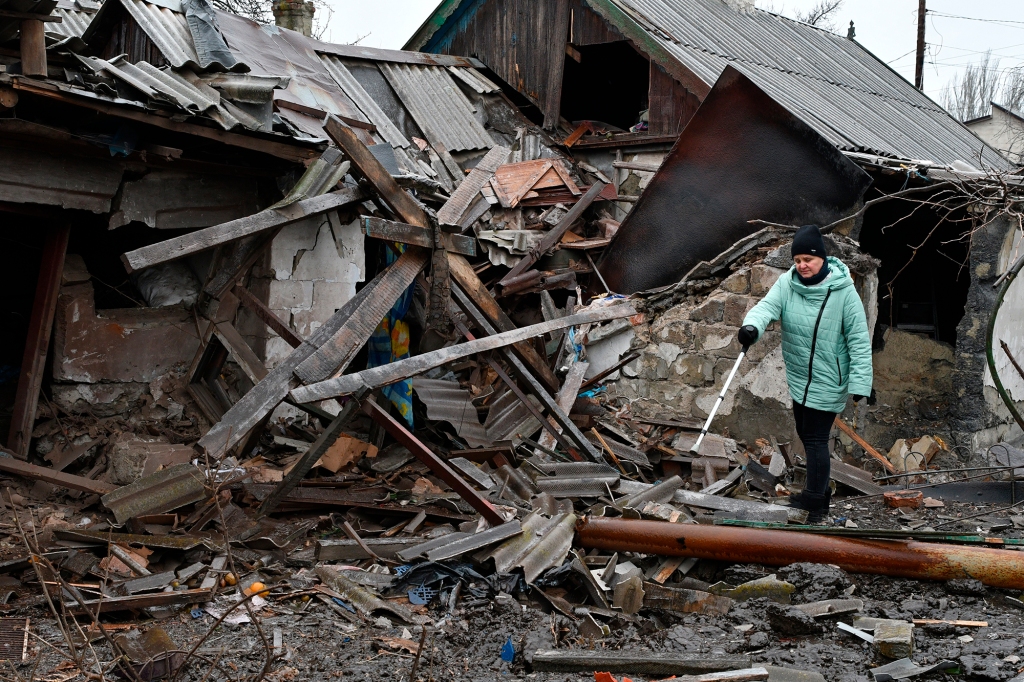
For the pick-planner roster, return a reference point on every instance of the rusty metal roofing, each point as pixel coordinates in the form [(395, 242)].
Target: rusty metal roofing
[(437, 104), (347, 82), (163, 491), (835, 85)]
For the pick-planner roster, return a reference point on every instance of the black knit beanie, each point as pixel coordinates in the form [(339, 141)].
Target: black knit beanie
[(808, 241)]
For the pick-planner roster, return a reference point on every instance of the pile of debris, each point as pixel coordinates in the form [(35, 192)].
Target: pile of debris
[(368, 521)]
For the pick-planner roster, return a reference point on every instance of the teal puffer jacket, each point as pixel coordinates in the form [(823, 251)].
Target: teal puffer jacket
[(825, 340)]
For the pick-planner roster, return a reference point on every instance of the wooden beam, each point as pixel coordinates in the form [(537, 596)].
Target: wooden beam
[(437, 466), (299, 470), (234, 259), (460, 269), (290, 151), (464, 275), (46, 18), (37, 473), (37, 341), (389, 230), (554, 235), (370, 168), (268, 393), (258, 308), (403, 369), (33, 47), (569, 429), (556, 44), (209, 237), (333, 355), (882, 459)]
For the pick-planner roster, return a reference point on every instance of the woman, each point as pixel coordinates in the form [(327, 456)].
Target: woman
[(827, 350)]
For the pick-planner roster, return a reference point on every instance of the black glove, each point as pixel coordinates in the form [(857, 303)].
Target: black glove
[(747, 335), (871, 398)]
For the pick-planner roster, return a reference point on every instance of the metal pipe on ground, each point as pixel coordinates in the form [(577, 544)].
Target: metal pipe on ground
[(897, 558)]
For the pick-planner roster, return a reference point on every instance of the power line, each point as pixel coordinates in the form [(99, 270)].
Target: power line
[(1009, 23)]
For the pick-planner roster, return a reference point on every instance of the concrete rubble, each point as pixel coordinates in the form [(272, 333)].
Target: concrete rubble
[(325, 372)]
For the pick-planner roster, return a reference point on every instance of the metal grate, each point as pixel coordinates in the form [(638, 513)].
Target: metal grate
[(13, 639)]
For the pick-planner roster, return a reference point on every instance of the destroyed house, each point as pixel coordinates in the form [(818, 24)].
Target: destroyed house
[(619, 80), (140, 122)]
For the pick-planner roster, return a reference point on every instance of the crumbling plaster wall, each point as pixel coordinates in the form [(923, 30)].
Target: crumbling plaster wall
[(979, 417), (310, 270), (108, 362)]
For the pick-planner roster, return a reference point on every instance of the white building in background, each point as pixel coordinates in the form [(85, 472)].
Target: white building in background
[(1002, 129)]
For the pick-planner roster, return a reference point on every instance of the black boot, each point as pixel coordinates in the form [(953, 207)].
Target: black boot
[(818, 507), (799, 501)]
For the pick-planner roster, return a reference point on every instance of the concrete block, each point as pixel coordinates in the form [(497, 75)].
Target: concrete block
[(300, 236), (710, 310), (894, 638), (327, 262), (290, 295), (737, 282)]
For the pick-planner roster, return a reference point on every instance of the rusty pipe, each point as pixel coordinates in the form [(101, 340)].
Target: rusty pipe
[(898, 558)]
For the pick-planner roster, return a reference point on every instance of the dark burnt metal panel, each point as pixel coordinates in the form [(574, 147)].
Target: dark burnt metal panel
[(741, 157)]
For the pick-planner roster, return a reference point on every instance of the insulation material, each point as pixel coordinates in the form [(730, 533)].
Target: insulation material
[(168, 284)]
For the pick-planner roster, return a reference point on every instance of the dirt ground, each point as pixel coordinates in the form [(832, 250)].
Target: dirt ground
[(319, 644)]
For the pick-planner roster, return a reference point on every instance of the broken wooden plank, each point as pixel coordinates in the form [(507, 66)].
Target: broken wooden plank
[(855, 478), (140, 601), (37, 341), (236, 423), (639, 663), (38, 473), (462, 198), (260, 310), (370, 168), (402, 369), (566, 397), (350, 550), (570, 432), (334, 354), (468, 281), (848, 430), (554, 235), (235, 260), (309, 458), (389, 230), (436, 465), (209, 237), (244, 356)]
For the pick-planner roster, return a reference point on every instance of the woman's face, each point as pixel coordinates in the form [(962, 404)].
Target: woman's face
[(808, 265)]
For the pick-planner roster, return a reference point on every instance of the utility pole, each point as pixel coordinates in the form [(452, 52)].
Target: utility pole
[(919, 73)]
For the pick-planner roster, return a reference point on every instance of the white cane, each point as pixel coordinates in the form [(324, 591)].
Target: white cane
[(718, 403)]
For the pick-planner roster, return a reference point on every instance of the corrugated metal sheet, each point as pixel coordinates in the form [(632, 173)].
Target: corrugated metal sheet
[(544, 543), (75, 18), (347, 82), (832, 83), (167, 28), (447, 401), (437, 104), (474, 79)]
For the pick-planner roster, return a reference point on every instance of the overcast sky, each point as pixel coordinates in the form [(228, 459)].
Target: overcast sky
[(886, 27)]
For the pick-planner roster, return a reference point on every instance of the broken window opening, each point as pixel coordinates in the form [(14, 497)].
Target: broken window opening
[(922, 292), (609, 84)]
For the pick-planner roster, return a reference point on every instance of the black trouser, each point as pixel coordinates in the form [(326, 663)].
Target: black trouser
[(813, 427)]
